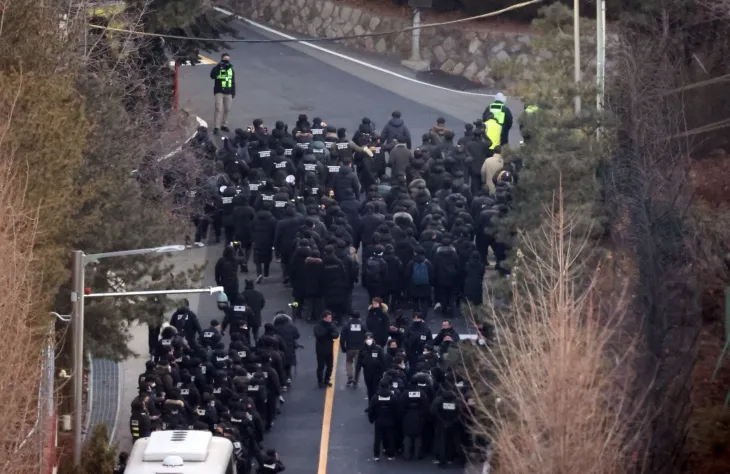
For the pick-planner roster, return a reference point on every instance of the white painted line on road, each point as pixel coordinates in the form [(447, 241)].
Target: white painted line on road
[(348, 58)]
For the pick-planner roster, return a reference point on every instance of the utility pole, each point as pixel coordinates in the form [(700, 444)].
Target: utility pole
[(576, 46), (78, 294), (415, 62), (77, 328), (416, 41)]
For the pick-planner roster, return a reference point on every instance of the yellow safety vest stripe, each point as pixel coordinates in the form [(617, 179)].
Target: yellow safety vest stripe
[(497, 110), (226, 77)]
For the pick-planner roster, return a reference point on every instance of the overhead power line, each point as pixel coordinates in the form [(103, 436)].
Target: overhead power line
[(335, 38)]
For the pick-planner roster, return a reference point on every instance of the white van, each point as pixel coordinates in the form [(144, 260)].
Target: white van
[(181, 452)]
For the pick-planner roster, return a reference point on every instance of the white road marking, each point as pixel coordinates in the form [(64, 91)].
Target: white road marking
[(348, 58)]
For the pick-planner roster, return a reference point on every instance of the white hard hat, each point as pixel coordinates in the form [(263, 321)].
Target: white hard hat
[(222, 188), (500, 97), (290, 179)]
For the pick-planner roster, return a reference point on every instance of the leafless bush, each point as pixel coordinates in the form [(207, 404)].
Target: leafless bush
[(720, 8), (553, 391), (20, 365), (649, 194)]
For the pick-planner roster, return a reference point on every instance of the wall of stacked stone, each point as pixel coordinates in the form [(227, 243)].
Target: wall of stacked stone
[(456, 50)]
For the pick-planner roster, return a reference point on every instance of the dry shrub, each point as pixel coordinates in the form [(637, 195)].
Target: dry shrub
[(20, 365), (552, 392)]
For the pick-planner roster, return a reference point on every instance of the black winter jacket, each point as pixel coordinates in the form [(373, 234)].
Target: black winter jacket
[(353, 335), (325, 334), (378, 325), (346, 185), (264, 230), (243, 217), (473, 281), (312, 278), (286, 233), (256, 301), (226, 270), (336, 280), (289, 332)]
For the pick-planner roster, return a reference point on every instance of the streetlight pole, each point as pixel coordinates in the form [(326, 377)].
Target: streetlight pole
[(80, 260), (77, 329), (576, 46)]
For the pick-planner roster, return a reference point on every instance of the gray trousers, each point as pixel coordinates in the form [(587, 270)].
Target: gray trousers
[(222, 108)]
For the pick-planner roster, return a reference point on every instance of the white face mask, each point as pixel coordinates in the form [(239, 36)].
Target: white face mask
[(369, 342)]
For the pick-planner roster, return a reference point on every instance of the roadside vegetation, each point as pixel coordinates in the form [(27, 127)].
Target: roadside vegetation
[(643, 196), (80, 109)]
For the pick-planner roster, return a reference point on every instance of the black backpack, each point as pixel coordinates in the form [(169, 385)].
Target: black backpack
[(373, 270)]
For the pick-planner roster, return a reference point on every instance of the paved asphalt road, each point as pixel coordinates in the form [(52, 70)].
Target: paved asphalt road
[(278, 82)]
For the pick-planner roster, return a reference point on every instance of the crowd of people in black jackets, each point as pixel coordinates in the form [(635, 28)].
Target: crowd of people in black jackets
[(195, 381), (413, 227)]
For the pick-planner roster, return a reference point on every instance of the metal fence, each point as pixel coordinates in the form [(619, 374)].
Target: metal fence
[(47, 418), (43, 433)]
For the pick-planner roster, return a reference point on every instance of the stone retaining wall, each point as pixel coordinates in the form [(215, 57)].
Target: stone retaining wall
[(455, 50)]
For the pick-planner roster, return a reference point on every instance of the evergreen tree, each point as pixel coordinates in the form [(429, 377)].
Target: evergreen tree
[(98, 457), (116, 213), (189, 18), (564, 150)]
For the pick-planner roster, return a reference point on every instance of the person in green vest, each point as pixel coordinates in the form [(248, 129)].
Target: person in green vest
[(224, 91), (493, 131), (502, 114), (527, 121)]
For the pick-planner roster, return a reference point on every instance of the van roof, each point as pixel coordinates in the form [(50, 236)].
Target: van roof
[(200, 452), (191, 446)]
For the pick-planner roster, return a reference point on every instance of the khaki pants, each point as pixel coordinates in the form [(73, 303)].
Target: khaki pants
[(350, 358), (222, 108)]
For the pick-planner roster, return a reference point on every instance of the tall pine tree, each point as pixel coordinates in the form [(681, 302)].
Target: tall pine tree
[(563, 151), (189, 18)]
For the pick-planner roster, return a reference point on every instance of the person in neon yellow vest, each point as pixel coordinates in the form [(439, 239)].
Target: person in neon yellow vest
[(493, 131), (502, 114), (224, 90)]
